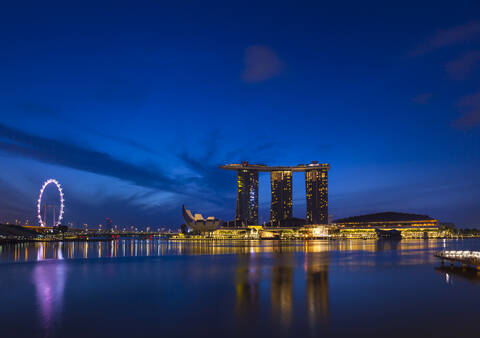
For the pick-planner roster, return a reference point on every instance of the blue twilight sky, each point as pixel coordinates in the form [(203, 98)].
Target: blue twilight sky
[(131, 105)]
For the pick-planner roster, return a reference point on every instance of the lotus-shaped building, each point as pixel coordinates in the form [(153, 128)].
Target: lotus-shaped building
[(198, 223)]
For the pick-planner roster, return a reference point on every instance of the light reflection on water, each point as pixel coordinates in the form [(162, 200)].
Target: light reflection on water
[(131, 287), (38, 251), (49, 281)]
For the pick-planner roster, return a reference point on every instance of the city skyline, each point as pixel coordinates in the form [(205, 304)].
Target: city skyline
[(134, 113), (239, 169)]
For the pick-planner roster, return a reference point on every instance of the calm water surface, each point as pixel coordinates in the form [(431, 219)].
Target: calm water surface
[(155, 288)]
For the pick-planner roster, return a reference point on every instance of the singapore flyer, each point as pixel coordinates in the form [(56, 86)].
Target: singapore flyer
[(56, 221)]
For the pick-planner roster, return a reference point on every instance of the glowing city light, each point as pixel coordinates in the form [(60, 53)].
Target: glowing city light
[(62, 200)]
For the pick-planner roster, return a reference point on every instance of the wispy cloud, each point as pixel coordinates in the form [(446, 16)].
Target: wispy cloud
[(422, 98), (44, 110), (126, 141), (206, 188), (212, 184), (462, 67), (204, 165), (470, 106), (261, 63), (123, 210), (19, 143), (447, 37), (14, 205)]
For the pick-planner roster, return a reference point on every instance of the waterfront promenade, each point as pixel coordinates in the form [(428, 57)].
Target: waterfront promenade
[(466, 258)]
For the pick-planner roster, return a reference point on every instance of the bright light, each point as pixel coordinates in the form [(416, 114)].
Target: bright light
[(60, 191)]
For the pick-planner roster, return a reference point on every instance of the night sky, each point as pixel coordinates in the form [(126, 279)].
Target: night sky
[(133, 105)]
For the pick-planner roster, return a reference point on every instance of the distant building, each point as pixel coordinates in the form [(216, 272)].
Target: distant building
[(448, 225), (108, 224), (281, 185)]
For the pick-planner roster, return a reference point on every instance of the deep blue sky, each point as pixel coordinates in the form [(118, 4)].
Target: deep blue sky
[(132, 105)]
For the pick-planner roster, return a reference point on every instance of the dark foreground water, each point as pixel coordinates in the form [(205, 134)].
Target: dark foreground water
[(142, 288)]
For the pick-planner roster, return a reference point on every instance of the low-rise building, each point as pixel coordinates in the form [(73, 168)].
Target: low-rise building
[(369, 226)]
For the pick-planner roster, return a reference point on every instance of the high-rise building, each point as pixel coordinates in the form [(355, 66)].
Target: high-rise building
[(281, 185), (316, 186), (247, 197)]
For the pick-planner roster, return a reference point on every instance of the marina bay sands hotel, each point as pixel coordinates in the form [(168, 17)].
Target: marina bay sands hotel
[(316, 184)]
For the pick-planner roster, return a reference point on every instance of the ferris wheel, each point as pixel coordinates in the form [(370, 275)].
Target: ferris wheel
[(56, 221)]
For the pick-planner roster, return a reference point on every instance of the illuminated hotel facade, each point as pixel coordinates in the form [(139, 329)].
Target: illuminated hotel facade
[(316, 184), (246, 211), (281, 185), (316, 188)]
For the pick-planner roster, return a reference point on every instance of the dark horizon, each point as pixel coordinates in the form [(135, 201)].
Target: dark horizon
[(132, 106)]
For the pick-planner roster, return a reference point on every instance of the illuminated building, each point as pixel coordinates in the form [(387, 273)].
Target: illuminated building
[(387, 220), (316, 181), (316, 187), (247, 197), (281, 207), (198, 223), (384, 223)]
